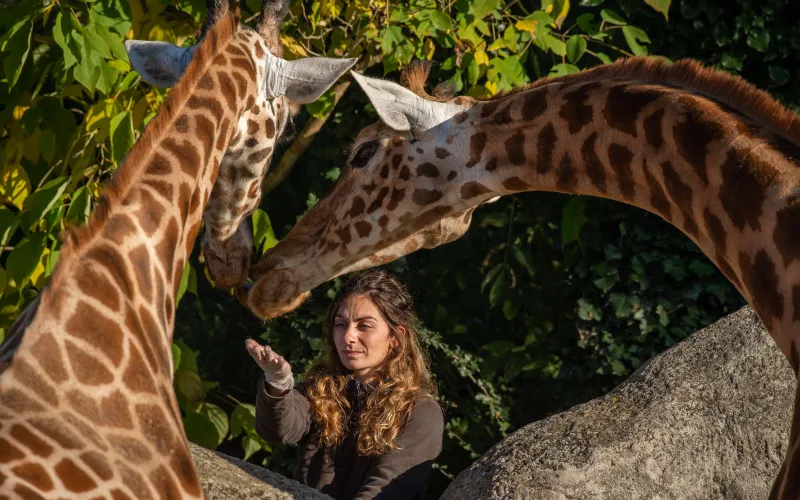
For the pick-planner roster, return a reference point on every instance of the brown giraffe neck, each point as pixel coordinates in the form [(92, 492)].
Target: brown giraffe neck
[(86, 405), (724, 178)]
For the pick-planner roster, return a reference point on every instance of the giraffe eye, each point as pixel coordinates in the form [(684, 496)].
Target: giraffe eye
[(364, 153)]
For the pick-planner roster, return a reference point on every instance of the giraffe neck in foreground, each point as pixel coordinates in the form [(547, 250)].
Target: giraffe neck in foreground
[(726, 181)]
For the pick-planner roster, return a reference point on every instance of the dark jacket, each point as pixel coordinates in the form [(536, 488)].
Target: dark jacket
[(340, 472)]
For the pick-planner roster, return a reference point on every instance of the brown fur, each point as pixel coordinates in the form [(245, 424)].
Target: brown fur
[(688, 74), (75, 238)]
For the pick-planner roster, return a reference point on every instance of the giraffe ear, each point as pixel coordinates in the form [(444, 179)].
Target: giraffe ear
[(303, 80), (402, 109), (160, 63)]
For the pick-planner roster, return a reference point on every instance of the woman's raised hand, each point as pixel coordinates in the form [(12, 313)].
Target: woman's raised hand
[(277, 371)]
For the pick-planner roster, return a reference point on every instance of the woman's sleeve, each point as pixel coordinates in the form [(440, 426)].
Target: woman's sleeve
[(403, 473), (284, 419)]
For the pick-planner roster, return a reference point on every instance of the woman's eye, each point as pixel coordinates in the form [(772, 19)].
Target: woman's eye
[(364, 154)]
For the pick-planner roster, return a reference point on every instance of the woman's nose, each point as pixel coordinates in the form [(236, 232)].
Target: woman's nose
[(351, 335)]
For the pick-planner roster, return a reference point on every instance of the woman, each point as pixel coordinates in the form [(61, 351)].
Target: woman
[(366, 416)]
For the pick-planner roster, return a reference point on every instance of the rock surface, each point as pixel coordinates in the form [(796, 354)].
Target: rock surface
[(708, 418), (227, 478)]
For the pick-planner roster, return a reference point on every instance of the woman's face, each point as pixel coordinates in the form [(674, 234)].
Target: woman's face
[(361, 335)]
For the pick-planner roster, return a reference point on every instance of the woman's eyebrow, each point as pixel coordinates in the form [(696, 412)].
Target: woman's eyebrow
[(364, 317)]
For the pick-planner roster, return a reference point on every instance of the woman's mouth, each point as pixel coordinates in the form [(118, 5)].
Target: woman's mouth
[(352, 354)]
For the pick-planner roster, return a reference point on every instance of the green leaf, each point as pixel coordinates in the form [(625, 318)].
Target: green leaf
[(251, 445), (732, 62), (201, 430), (612, 17), (586, 23), (758, 39), (481, 8), (603, 57), (587, 311), (511, 308), (8, 224), (2, 283), (661, 6), (563, 69), (176, 358), (591, 3), (779, 75), (17, 45), (114, 42), (106, 78), (96, 43), (524, 260), (219, 418), (576, 47), (189, 383), (263, 235), (40, 202), (25, 257), (188, 357), (184, 284), (633, 36), (62, 33), (47, 144), (573, 218), (498, 289), (323, 105), (243, 419), (79, 206), (441, 21), (122, 138)]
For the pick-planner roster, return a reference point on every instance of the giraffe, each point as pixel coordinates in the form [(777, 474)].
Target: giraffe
[(86, 401), (227, 237), (708, 152)]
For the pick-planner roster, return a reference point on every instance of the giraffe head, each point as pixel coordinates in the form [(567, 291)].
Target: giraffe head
[(393, 197), (228, 238)]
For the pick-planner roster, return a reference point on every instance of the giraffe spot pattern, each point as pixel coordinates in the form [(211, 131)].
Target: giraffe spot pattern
[(252, 128), (491, 165), (574, 111), (269, 128), (658, 198), (787, 232), (515, 184), (182, 124), (181, 465), (46, 352), (344, 234), (760, 278), (9, 452), (155, 428), (34, 474), (134, 481), (441, 153), (452, 175), (259, 156), (164, 483), (25, 374), (73, 477), (140, 258), (251, 142), (623, 105), (221, 139), (87, 369), (427, 169), (209, 104), (134, 326), (743, 190), (489, 108), (424, 197), (137, 377), (166, 248), (405, 173), (378, 202), (653, 131), (693, 136), (476, 144), (357, 207), (566, 179), (515, 148), (117, 494), (621, 158), (681, 196), (228, 91), (22, 435), (164, 189), (504, 116), (206, 82), (473, 189), (394, 200), (131, 450), (461, 117), (56, 430), (544, 148), (19, 402), (149, 213), (363, 228), (187, 155), (595, 170), (96, 329), (385, 171), (115, 411), (158, 165), (535, 104)]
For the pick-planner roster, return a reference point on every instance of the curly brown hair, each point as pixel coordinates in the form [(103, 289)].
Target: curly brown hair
[(396, 385)]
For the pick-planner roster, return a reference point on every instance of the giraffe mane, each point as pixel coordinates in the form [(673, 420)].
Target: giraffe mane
[(733, 91), (134, 164)]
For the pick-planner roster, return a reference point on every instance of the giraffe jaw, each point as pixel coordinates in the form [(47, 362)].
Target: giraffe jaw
[(273, 294)]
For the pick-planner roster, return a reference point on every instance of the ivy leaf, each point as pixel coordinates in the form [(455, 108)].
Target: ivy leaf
[(661, 6), (40, 202), (612, 17), (25, 257), (633, 36), (122, 138), (576, 47), (17, 45), (441, 21), (176, 357), (62, 33), (263, 235), (80, 206)]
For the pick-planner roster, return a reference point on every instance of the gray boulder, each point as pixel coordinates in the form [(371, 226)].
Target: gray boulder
[(227, 478), (709, 418)]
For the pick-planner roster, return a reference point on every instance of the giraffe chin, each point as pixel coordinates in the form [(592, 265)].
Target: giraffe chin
[(273, 295)]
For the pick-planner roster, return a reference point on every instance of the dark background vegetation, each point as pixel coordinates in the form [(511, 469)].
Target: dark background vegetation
[(546, 302)]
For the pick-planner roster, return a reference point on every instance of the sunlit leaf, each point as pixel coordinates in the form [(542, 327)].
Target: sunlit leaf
[(14, 185), (661, 6), (25, 257), (176, 357), (40, 202), (79, 206), (576, 47), (122, 138), (633, 36), (612, 17), (263, 235), (441, 21), (62, 32), (17, 45)]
